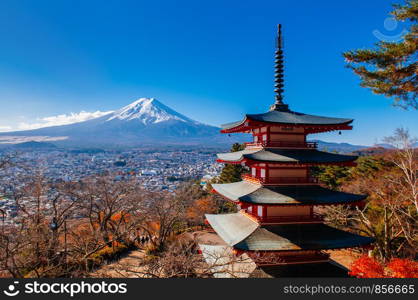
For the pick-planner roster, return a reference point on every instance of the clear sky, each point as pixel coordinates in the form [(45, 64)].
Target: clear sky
[(210, 60)]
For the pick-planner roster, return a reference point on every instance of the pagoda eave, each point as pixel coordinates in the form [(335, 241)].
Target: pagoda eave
[(238, 162), (247, 125), (296, 251), (250, 162), (244, 233), (286, 157), (360, 203), (243, 204)]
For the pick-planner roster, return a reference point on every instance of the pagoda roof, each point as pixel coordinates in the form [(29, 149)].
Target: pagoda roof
[(232, 228), (251, 193), (285, 156), (241, 232), (288, 118)]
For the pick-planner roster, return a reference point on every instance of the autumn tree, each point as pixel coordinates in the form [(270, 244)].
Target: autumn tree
[(389, 214), (403, 268), (406, 159), (368, 267), (392, 68), (66, 229), (205, 205), (168, 212), (112, 207), (32, 246), (405, 184), (179, 260)]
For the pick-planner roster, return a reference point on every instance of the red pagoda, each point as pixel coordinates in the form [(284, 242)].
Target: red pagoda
[(276, 199)]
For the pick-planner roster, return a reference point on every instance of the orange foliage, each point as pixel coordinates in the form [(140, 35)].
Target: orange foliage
[(367, 267), (403, 268), (118, 216), (153, 226), (201, 207)]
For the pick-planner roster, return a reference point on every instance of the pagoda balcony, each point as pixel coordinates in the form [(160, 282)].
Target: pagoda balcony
[(279, 180), (271, 220), (282, 144), (277, 258)]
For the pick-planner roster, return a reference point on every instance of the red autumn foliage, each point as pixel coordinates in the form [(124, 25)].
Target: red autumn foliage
[(403, 268), (367, 267)]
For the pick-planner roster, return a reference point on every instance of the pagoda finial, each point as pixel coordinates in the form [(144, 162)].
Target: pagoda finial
[(278, 74)]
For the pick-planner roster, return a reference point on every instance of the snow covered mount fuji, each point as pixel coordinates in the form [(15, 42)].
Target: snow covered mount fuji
[(148, 111), (145, 122)]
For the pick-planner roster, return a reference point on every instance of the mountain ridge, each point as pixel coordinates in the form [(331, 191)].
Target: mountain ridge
[(145, 121)]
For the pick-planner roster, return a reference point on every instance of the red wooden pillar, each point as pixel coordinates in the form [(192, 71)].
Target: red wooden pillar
[(264, 212), (268, 135)]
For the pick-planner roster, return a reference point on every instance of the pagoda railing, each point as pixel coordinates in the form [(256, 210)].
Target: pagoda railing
[(283, 144), (279, 180), (273, 258), (291, 219)]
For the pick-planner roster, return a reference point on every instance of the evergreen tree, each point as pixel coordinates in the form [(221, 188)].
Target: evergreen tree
[(232, 173), (334, 176), (330, 176), (392, 68)]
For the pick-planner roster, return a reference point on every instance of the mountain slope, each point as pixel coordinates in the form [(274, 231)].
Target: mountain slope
[(337, 147), (143, 122)]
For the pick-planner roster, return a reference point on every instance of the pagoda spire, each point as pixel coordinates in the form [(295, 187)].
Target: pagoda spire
[(278, 74)]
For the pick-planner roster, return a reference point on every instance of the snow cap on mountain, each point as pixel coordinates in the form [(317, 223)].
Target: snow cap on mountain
[(148, 111)]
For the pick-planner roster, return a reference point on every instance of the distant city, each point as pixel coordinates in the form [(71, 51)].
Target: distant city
[(155, 170)]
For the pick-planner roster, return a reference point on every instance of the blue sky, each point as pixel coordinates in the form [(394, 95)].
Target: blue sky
[(210, 60)]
